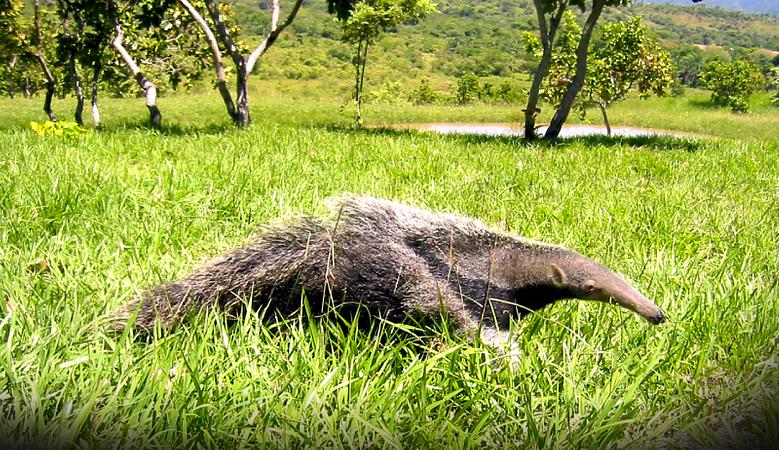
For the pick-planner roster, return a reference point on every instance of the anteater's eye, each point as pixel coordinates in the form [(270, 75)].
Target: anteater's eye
[(590, 286)]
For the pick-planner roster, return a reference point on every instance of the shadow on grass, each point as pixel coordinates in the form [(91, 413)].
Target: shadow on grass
[(655, 142), (215, 129), (705, 103)]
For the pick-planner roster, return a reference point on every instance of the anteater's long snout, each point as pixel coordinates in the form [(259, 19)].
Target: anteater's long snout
[(628, 297), (617, 291), (657, 318)]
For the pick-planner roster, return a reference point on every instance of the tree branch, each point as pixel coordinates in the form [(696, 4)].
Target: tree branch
[(274, 32), (221, 79), (148, 87), (224, 33)]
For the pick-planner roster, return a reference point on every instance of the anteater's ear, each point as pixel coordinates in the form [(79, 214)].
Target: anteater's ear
[(559, 278)]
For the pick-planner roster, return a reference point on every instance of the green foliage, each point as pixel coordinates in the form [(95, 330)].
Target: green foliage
[(389, 93), (60, 129), (627, 57), (424, 94), (677, 88), (468, 88), (367, 19), (506, 92), (773, 84), (12, 28), (732, 83), (689, 61)]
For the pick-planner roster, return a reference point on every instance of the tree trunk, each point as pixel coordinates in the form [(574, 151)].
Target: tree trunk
[(547, 40), (95, 84), (242, 118), (10, 70), (221, 79), (605, 118), (359, 66), (150, 91), (532, 110), (244, 66), (561, 115), (50, 83), (76, 78)]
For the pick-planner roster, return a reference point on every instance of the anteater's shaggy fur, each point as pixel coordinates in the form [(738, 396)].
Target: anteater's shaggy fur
[(392, 260)]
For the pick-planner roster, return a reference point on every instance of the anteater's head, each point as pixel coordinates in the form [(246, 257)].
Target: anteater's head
[(588, 280)]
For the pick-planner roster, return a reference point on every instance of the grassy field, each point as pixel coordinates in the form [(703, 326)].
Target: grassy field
[(86, 222)]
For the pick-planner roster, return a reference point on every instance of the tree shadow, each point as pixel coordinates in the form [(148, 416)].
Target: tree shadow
[(704, 103), (658, 142), (215, 129)]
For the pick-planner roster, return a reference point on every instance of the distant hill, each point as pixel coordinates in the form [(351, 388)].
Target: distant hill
[(484, 37), (751, 6)]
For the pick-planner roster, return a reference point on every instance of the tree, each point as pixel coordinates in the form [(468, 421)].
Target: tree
[(238, 109), (149, 89), (51, 83), (13, 39), (548, 30), (627, 57), (732, 83), (70, 44), (363, 21), (549, 14)]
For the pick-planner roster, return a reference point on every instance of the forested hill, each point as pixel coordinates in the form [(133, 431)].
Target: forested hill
[(751, 6), (694, 24), (484, 37)]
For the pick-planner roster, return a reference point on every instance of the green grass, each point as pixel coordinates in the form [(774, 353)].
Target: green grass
[(692, 222), (279, 101)]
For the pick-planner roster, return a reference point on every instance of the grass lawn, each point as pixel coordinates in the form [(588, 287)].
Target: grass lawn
[(86, 222)]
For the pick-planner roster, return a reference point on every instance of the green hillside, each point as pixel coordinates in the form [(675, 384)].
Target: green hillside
[(482, 37)]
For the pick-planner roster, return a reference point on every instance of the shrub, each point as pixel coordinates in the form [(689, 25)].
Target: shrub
[(731, 83), (424, 94), (468, 88), (62, 129), (388, 93)]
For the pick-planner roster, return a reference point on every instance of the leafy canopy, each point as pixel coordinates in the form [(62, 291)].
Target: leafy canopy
[(732, 83), (365, 20), (627, 57)]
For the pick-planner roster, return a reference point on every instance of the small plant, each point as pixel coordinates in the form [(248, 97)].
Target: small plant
[(773, 83), (677, 89), (732, 83), (63, 129), (388, 93), (424, 94), (468, 88), (508, 93)]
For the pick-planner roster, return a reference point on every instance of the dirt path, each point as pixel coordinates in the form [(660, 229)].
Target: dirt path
[(508, 129)]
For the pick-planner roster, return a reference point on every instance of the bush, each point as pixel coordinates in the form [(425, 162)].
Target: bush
[(424, 94), (731, 83), (468, 88), (677, 89), (388, 93)]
